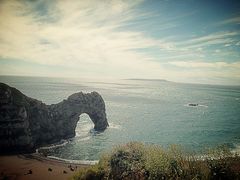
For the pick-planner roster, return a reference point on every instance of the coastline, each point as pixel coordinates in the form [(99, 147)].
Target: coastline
[(36, 166)]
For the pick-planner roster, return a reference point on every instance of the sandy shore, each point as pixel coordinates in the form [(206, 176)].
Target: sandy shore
[(20, 166)]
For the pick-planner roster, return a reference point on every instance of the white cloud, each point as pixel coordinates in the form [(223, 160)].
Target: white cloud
[(87, 38), (84, 36), (219, 38), (210, 72), (233, 20), (213, 36)]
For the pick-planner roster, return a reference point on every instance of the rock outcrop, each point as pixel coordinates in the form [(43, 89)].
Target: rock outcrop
[(27, 123)]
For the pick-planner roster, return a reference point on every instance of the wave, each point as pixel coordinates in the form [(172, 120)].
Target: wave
[(83, 138), (85, 162), (60, 144), (82, 133), (203, 105), (83, 129), (236, 149), (114, 126)]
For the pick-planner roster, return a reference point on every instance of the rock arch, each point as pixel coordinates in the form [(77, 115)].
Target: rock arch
[(91, 104), (27, 123)]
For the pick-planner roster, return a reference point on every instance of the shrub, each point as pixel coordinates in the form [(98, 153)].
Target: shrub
[(89, 173), (138, 161), (156, 162), (126, 162), (219, 163)]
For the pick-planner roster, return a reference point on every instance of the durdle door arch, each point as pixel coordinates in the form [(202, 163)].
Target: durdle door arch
[(27, 123)]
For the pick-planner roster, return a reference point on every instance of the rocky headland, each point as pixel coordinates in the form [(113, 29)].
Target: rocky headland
[(27, 123)]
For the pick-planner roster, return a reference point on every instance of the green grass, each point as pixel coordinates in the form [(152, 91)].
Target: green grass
[(138, 161)]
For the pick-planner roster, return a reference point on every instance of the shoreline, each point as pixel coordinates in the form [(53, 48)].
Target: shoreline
[(36, 166), (40, 157)]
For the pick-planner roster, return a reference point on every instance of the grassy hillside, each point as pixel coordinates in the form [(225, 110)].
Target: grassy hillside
[(138, 161)]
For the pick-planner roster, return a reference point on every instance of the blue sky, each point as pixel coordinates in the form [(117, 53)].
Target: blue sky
[(183, 41)]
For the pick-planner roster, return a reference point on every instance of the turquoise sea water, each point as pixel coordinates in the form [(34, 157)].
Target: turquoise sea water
[(147, 111)]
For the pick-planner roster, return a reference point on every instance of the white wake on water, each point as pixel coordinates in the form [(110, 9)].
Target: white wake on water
[(84, 138), (114, 126)]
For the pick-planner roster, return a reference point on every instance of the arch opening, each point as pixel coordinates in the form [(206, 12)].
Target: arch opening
[(84, 125)]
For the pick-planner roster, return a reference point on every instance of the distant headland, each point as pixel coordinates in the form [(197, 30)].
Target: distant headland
[(137, 79)]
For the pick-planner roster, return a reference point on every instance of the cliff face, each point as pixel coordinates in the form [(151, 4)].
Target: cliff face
[(27, 123)]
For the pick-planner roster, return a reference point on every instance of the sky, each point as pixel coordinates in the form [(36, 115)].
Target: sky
[(183, 41)]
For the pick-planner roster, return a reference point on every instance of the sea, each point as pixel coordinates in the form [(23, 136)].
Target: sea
[(149, 111)]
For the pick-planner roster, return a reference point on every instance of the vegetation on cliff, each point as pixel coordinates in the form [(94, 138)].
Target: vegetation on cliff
[(139, 161)]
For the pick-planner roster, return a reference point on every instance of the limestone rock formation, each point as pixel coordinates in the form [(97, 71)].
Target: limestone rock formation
[(27, 123)]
